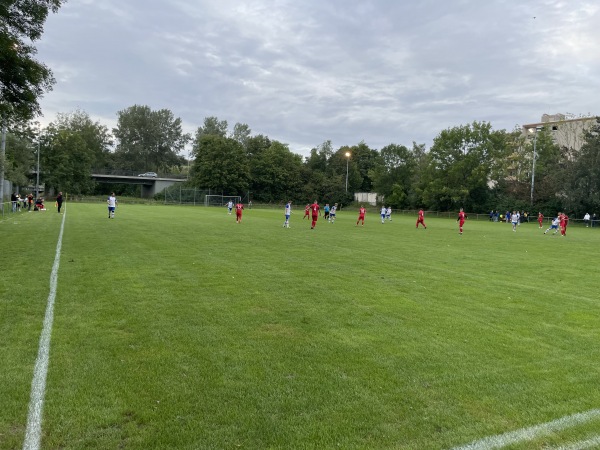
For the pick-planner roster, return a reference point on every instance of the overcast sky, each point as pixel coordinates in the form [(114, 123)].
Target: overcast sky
[(303, 72)]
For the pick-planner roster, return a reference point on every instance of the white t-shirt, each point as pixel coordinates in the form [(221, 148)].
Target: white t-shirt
[(333, 209), (514, 218), (288, 209), (112, 201), (383, 211)]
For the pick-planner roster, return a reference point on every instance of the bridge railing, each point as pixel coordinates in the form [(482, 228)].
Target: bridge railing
[(135, 173)]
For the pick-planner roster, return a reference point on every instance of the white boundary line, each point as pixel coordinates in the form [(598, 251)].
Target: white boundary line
[(531, 433), (581, 445), (33, 433)]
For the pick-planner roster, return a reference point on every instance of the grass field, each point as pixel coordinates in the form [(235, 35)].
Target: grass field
[(176, 328)]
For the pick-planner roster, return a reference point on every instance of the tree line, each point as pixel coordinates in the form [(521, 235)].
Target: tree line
[(471, 166)]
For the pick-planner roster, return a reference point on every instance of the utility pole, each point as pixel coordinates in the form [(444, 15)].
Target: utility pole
[(535, 131), (2, 158)]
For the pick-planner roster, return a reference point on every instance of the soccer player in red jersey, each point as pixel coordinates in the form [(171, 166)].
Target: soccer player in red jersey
[(306, 211), (315, 209), (461, 220), (421, 219), (540, 219), (238, 212), (361, 215), (564, 221)]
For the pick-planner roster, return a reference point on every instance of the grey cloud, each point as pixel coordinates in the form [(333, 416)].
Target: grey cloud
[(305, 72)]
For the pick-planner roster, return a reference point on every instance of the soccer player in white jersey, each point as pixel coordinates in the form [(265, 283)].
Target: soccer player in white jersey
[(229, 207), (332, 212), (514, 219), (288, 212), (554, 226), (388, 213), (383, 213), (112, 204)]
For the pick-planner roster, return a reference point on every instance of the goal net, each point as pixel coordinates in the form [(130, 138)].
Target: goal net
[(221, 200)]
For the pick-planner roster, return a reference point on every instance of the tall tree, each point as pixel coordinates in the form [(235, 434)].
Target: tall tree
[(149, 140), (67, 162), (95, 135), (365, 159), (460, 167), (23, 79), (583, 189), (220, 165), (393, 174), (276, 174), (241, 133), (212, 126), (20, 157)]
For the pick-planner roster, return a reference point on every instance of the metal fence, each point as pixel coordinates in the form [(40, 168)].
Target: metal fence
[(9, 209)]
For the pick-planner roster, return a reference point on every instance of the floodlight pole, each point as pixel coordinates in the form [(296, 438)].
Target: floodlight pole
[(347, 154), (2, 153), (37, 175), (535, 130)]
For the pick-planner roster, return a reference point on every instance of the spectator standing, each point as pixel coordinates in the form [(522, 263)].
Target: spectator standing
[(59, 201)]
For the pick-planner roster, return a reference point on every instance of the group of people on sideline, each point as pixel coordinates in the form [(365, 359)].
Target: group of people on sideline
[(27, 202)]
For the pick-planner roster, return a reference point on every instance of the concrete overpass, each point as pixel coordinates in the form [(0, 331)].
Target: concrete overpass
[(150, 185)]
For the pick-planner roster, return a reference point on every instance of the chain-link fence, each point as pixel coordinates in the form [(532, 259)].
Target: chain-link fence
[(182, 196)]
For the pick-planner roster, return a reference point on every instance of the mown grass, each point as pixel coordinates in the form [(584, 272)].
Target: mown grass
[(177, 328)]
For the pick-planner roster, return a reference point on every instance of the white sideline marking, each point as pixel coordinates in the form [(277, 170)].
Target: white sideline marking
[(528, 434), (581, 445), (33, 432)]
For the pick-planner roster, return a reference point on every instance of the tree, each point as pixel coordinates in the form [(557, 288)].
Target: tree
[(584, 182), (212, 126), (23, 80), (324, 174), (460, 167), (392, 174), (67, 162), (149, 140), (365, 159), (241, 133), (95, 135), (20, 158), (276, 174), (220, 165)]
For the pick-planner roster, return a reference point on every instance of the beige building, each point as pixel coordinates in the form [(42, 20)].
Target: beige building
[(568, 133)]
